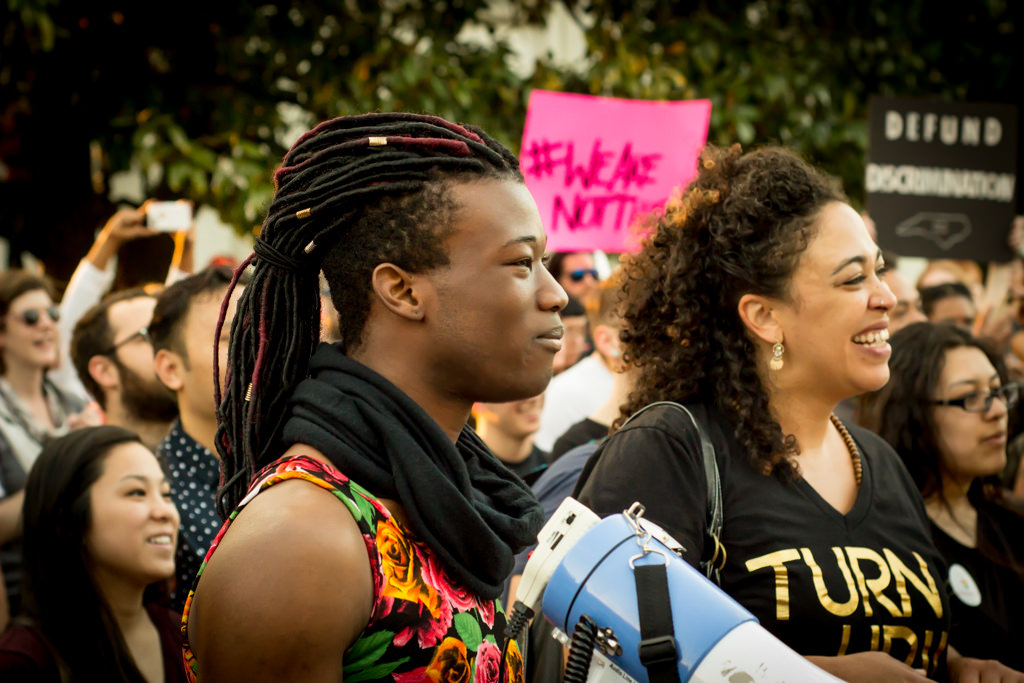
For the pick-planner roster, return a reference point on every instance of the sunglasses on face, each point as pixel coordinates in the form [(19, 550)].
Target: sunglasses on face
[(580, 273), (981, 401), (32, 316), (140, 334)]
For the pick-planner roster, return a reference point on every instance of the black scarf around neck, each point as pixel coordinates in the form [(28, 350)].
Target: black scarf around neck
[(459, 498)]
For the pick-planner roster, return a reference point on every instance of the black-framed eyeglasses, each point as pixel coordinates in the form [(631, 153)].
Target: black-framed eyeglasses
[(580, 273), (32, 316), (981, 401), (140, 334)]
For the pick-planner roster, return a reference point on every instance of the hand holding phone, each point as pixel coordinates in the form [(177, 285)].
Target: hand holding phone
[(169, 216)]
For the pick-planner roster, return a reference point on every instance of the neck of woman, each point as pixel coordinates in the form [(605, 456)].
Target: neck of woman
[(141, 636), (802, 416), (953, 512), (124, 598), (27, 382)]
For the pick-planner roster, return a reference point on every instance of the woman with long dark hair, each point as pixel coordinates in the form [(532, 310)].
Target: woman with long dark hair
[(370, 531), (757, 301), (100, 529), (945, 410)]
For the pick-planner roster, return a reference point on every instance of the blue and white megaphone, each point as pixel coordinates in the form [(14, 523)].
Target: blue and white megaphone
[(584, 570)]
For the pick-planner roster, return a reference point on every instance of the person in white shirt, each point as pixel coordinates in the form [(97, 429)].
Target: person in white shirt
[(93, 278), (582, 389)]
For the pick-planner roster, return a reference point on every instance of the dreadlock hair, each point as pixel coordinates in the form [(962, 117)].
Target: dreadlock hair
[(738, 228), (354, 192)]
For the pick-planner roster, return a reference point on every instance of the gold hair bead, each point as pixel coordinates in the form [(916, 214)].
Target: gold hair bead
[(309, 247), (248, 393), (303, 213), (378, 141)]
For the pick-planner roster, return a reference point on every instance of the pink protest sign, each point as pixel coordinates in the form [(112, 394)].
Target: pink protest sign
[(594, 164)]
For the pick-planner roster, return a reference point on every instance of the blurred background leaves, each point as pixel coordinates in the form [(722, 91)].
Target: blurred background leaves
[(203, 98)]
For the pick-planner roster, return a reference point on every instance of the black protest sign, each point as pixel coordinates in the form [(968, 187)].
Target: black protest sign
[(942, 177)]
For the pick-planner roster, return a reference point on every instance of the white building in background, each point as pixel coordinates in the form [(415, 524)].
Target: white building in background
[(561, 38)]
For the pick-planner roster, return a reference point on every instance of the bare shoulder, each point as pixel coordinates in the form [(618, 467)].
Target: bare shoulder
[(288, 590)]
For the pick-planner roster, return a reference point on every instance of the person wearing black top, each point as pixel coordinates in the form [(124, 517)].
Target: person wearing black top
[(584, 431), (945, 411), (508, 429), (757, 300), (433, 251)]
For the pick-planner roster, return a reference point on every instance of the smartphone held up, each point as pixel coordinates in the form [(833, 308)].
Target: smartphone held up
[(169, 216)]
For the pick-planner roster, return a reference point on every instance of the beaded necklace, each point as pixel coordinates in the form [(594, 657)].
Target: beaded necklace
[(858, 466)]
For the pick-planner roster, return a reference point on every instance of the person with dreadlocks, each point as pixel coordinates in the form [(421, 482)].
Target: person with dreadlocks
[(432, 248)]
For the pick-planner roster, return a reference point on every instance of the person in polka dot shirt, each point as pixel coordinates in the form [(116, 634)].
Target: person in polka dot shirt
[(182, 332)]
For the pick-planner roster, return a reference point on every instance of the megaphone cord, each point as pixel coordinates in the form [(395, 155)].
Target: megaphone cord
[(581, 651), (518, 618)]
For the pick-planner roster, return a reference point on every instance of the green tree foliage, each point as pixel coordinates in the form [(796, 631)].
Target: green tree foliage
[(205, 97), (799, 72)]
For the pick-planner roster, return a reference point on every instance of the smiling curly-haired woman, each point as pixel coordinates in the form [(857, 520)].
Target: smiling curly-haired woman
[(757, 301)]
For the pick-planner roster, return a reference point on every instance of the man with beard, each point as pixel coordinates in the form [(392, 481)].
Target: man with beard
[(112, 354), (182, 333)]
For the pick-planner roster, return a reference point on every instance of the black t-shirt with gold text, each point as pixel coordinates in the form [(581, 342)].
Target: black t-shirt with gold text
[(822, 582)]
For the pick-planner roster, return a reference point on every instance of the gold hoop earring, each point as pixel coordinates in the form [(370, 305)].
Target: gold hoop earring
[(776, 362)]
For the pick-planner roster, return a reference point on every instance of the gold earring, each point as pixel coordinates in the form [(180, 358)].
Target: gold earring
[(777, 350)]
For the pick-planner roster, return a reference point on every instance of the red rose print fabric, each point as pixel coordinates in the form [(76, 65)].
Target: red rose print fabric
[(424, 625)]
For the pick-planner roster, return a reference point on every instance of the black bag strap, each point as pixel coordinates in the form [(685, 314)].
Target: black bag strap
[(657, 647), (713, 565)]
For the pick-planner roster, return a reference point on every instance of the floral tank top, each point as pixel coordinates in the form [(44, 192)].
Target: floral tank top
[(423, 626)]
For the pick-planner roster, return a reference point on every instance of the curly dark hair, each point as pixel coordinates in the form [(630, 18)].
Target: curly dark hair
[(738, 228), (901, 412), (352, 193)]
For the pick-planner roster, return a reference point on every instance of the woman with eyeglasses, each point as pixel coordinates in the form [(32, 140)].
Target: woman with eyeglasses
[(32, 408), (945, 410)]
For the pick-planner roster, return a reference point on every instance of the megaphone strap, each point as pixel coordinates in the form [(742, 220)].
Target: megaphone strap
[(715, 514), (657, 647)]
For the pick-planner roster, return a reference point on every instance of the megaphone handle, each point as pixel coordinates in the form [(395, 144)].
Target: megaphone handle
[(581, 651)]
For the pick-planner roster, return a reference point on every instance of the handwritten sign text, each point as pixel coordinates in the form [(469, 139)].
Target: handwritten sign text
[(594, 164)]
